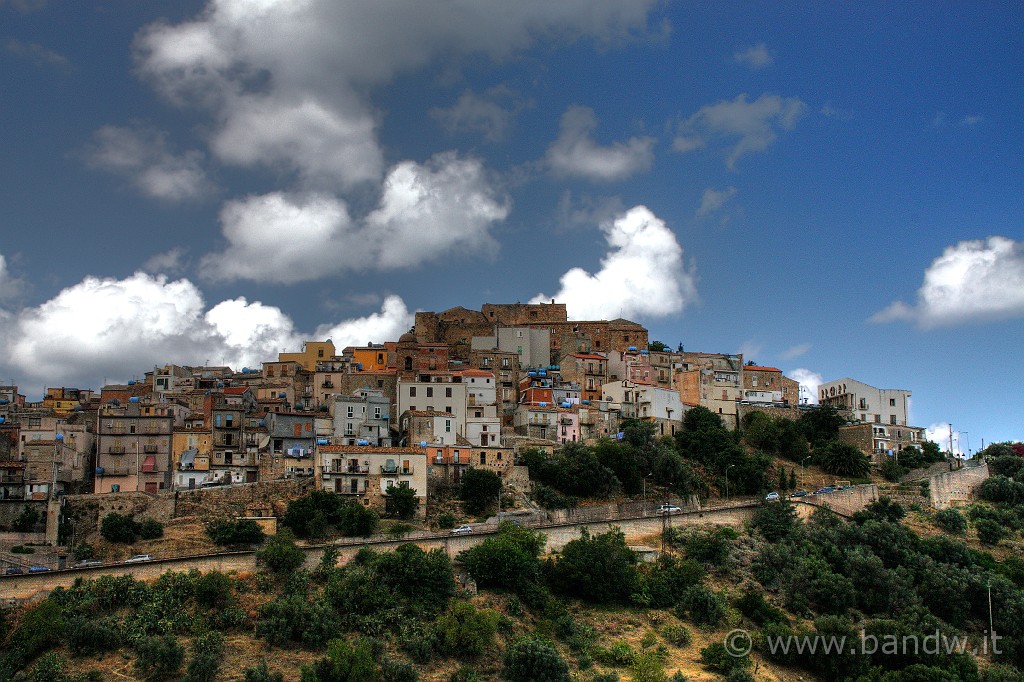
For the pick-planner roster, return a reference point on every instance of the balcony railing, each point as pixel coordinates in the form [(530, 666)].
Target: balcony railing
[(116, 449), (395, 470), (12, 479), (115, 471), (149, 449), (327, 384)]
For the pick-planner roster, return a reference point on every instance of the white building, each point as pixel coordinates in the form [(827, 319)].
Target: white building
[(866, 403)]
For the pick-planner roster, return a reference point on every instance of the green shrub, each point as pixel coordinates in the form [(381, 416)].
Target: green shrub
[(118, 528), (345, 661), (261, 673), (89, 636), (225, 532), (535, 660), (21, 549), (207, 653), (446, 520), (716, 657), (213, 590), (466, 631), (989, 532), (26, 521), (676, 634), (753, 605), (479, 490), (280, 555), (703, 605), (158, 657), (395, 671), (150, 529), (951, 521), (617, 654)]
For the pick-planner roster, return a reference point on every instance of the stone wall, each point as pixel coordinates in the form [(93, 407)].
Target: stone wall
[(956, 487), (11, 509), (791, 412), (268, 498), (845, 502)]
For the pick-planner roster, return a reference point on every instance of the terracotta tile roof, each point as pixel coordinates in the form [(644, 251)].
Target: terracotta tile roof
[(759, 368), (475, 373), (587, 356), (430, 413)]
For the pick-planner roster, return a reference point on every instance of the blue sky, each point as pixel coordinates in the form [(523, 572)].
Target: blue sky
[(832, 189)]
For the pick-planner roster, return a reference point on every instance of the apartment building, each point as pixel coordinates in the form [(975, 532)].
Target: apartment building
[(866, 403)]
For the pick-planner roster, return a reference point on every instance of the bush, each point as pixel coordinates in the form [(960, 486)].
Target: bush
[(150, 529), (617, 654), (347, 662), (599, 569), (206, 658), (88, 636), (395, 671), (118, 528), (535, 660), (676, 635), (508, 560), (226, 533), (774, 521), (754, 606), (21, 549), (951, 521), (280, 555), (213, 590), (989, 532), (710, 546), (703, 605), (261, 673), (716, 657), (446, 520), (158, 657), (401, 500), (466, 631)]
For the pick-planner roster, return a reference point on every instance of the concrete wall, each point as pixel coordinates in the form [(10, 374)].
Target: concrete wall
[(844, 502)]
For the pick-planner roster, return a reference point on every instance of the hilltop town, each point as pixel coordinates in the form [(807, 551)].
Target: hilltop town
[(463, 388)]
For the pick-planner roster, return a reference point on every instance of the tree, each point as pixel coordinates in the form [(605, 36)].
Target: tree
[(357, 520), (150, 529), (989, 532), (509, 560), (311, 514), (206, 658), (345, 662), (842, 459), (480, 489), (401, 500), (280, 554), (599, 569), (535, 660), (774, 521), (466, 631), (657, 347), (821, 425), (26, 520)]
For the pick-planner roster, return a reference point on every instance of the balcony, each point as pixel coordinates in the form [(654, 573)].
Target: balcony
[(12, 479), (327, 384), (357, 469), (565, 421), (116, 449), (114, 471), (149, 449)]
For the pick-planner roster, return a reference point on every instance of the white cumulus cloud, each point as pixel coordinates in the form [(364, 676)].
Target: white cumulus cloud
[(756, 124), (809, 382), (288, 84), (142, 155), (940, 435), (110, 329), (642, 274), (974, 280), (575, 153), (425, 211), (10, 286)]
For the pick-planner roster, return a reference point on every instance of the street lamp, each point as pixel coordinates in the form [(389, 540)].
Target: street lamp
[(727, 481)]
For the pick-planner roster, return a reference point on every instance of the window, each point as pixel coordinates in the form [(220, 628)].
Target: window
[(505, 363), (892, 419), (430, 392), (440, 456), (348, 428), (448, 429), (892, 402), (350, 409), (376, 413), (448, 392), (412, 391), (455, 457)]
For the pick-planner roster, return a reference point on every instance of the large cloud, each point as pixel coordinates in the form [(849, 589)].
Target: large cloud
[(575, 153), (756, 124), (288, 82), (425, 211), (642, 274), (971, 281), (10, 286), (107, 329)]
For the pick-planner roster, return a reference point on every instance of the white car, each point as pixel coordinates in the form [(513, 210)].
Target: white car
[(771, 497), (668, 509), (462, 530), (139, 558)]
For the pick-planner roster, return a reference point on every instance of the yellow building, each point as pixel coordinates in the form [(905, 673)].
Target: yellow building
[(368, 358), (312, 352), (190, 439)]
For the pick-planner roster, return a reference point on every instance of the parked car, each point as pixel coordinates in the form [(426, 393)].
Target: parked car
[(771, 497), (799, 493), (13, 570), (668, 509), (139, 558), (36, 568), (826, 489), (88, 563), (462, 530)]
